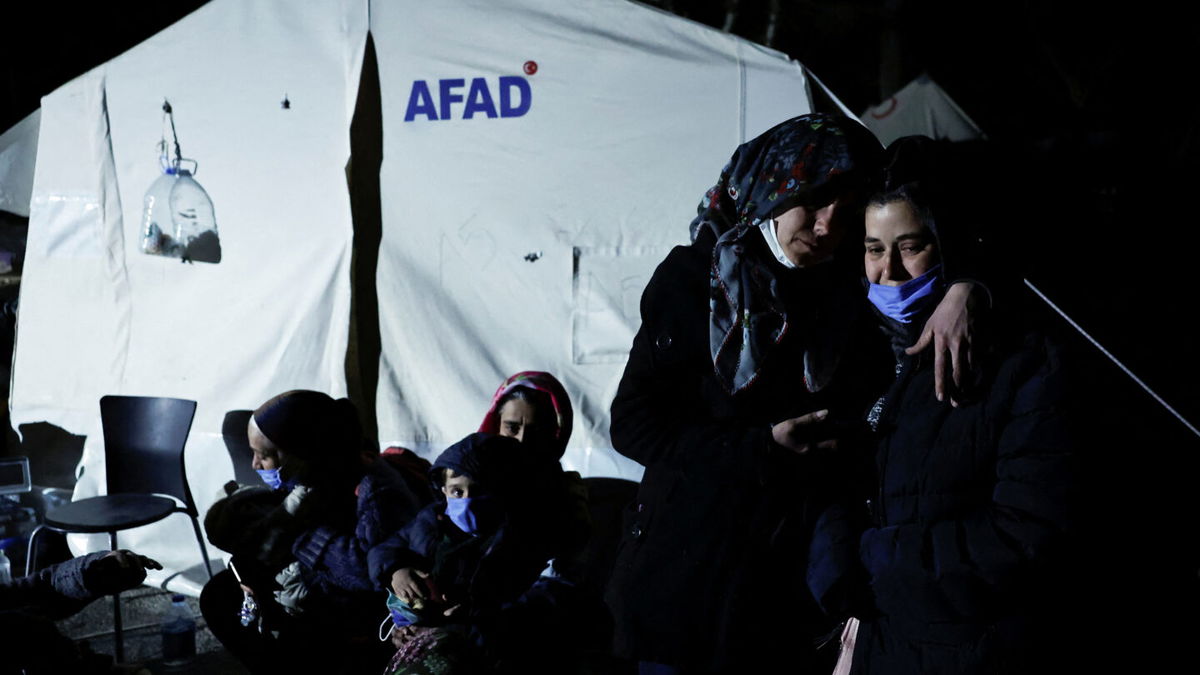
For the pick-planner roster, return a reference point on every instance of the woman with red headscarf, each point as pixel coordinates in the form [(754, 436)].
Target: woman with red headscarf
[(533, 407)]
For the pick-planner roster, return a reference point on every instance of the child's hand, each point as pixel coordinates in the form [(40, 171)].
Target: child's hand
[(410, 586)]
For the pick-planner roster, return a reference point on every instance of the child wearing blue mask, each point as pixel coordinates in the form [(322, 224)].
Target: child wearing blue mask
[(466, 576)]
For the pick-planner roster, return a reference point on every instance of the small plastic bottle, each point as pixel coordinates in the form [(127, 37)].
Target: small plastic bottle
[(178, 633), (5, 568)]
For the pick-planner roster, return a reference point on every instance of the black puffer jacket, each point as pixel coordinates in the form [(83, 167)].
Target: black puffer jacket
[(709, 573), (966, 538)]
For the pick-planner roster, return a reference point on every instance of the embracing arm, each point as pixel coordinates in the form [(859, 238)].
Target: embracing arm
[(950, 331)]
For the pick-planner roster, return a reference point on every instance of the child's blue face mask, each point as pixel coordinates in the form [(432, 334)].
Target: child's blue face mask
[(466, 512)]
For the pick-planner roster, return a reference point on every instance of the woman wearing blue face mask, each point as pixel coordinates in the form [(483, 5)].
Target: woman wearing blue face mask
[(300, 542), (954, 566), (266, 461)]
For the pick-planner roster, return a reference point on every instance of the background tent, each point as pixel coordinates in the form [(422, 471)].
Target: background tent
[(524, 241), (99, 317), (539, 159), (920, 107)]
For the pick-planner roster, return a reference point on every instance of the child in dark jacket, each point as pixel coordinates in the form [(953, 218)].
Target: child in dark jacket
[(470, 584)]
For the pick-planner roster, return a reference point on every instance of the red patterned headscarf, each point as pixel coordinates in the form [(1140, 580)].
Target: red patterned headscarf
[(537, 381)]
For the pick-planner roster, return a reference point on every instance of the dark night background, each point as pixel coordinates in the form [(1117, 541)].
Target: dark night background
[(1085, 185)]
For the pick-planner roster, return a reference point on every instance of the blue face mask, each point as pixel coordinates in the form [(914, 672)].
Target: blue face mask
[(465, 512), (399, 613), (907, 300), (402, 614), (271, 478)]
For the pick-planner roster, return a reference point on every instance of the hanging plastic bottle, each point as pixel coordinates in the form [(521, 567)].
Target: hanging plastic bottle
[(178, 633), (179, 220)]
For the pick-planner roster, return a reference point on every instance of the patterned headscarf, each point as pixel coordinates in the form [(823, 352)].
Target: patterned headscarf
[(808, 160), (538, 381)]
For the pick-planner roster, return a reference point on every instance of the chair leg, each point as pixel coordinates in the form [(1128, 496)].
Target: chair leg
[(118, 637), (31, 552), (203, 548)]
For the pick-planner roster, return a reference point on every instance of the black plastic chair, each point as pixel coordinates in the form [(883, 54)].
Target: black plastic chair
[(233, 431), (144, 438)]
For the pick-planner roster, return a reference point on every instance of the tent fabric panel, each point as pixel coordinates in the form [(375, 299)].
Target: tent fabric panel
[(101, 317), (522, 240)]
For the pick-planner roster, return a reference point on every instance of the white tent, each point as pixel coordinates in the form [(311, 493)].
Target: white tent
[(524, 242), (540, 158), (920, 107), (18, 154)]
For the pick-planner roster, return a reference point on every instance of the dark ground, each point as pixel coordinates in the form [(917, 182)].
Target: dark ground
[(142, 610)]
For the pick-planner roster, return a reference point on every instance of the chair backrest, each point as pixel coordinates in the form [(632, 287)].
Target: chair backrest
[(233, 430), (144, 437)]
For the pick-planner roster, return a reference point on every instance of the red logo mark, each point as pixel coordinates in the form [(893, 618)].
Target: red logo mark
[(530, 67)]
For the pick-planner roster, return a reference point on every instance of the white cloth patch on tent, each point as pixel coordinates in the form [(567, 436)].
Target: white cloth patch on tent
[(607, 291)]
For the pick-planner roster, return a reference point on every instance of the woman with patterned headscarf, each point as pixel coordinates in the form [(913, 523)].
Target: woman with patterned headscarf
[(754, 361)]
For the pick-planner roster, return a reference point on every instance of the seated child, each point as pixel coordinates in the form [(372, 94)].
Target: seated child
[(468, 592)]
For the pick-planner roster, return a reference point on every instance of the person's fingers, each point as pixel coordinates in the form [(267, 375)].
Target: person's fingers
[(830, 444), (149, 563), (939, 365), (956, 363), (812, 417), (423, 575), (921, 343)]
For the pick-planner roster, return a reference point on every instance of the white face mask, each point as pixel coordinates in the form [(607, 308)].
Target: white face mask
[(767, 227)]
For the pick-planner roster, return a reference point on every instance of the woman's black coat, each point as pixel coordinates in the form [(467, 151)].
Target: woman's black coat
[(709, 573)]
